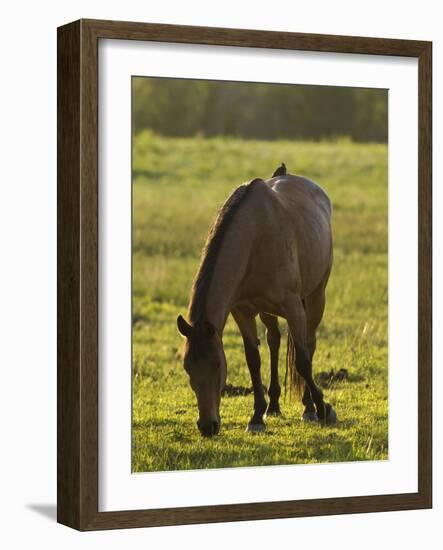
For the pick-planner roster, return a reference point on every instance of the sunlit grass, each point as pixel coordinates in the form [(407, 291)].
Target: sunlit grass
[(178, 186)]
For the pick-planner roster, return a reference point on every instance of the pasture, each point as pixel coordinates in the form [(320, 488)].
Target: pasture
[(178, 186)]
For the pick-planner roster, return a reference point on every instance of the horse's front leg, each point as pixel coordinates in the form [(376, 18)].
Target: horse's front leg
[(248, 329), (273, 339)]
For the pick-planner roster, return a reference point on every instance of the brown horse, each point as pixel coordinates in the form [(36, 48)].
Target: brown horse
[(269, 253)]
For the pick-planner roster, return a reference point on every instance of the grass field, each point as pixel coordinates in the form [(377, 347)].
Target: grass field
[(178, 186)]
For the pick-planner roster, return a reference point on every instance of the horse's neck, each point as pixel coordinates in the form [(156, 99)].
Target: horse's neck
[(230, 268)]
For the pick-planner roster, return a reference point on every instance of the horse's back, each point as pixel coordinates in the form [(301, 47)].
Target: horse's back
[(297, 192), (309, 211)]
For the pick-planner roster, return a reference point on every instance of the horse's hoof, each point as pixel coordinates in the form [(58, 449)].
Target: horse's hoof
[(309, 416), (331, 417), (256, 428)]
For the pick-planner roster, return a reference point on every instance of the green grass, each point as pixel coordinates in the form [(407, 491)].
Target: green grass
[(178, 186)]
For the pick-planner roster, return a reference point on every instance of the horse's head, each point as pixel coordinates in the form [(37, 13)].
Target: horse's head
[(205, 363)]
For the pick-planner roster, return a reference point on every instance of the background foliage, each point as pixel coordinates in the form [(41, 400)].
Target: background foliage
[(178, 107)]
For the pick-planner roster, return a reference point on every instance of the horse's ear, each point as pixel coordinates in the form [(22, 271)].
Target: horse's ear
[(184, 327)]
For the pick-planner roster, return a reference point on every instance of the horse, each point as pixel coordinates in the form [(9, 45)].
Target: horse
[(269, 254)]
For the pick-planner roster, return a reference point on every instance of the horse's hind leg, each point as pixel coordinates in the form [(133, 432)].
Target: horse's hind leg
[(273, 339), (297, 320), (248, 328), (309, 414), (314, 305)]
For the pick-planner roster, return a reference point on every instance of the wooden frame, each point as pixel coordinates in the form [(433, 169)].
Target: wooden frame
[(77, 454)]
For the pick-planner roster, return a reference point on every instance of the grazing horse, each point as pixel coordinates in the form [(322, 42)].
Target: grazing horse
[(269, 253)]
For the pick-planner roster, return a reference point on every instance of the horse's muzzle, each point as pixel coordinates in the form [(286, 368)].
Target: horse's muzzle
[(208, 429)]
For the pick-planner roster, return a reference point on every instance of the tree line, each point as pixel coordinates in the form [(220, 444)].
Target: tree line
[(180, 107)]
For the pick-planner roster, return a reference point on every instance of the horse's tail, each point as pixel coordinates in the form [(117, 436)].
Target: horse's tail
[(292, 376)]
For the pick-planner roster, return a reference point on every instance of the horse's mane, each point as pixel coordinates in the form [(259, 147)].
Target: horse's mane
[(200, 287)]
